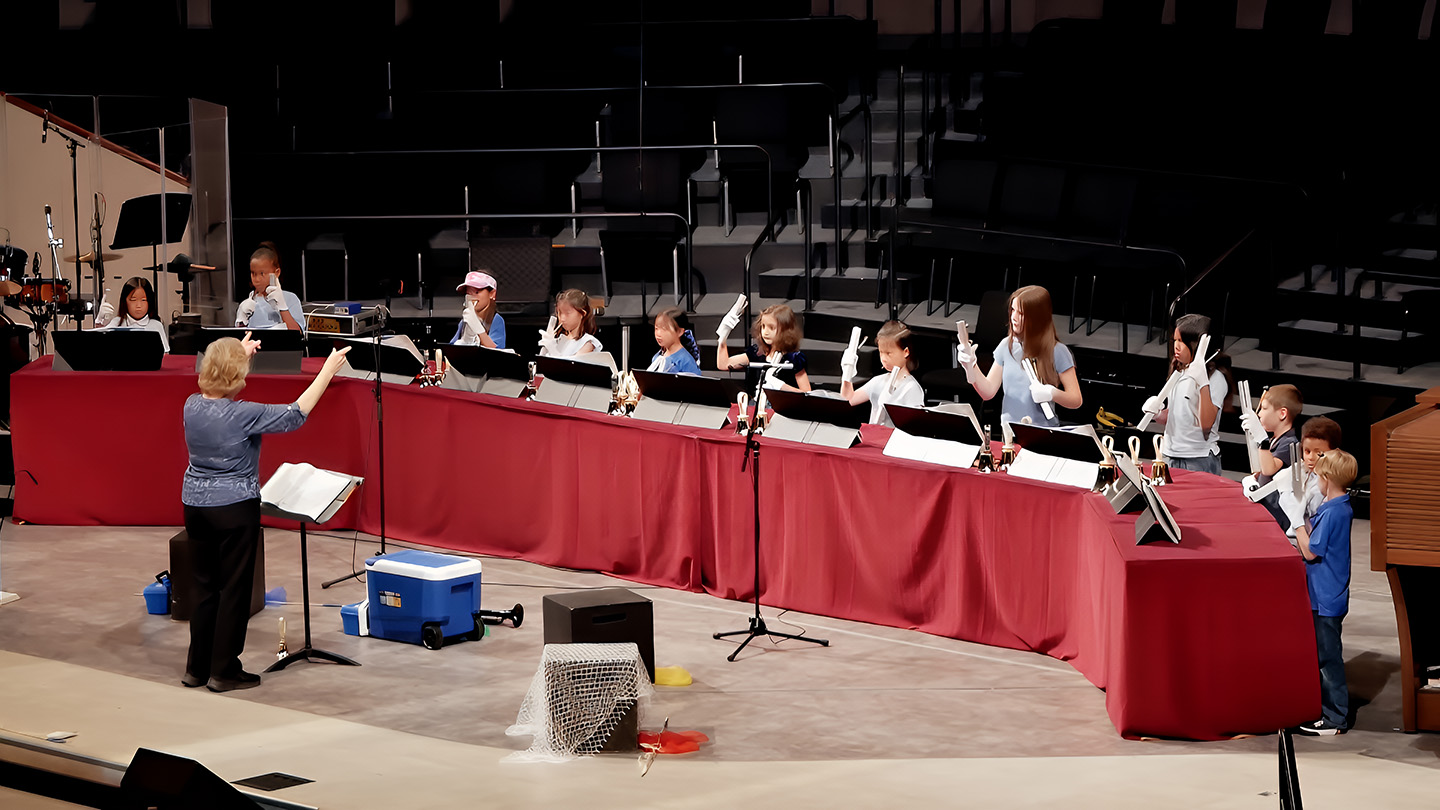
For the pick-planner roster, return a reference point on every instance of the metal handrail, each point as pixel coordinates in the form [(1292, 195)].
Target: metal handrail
[(689, 255), (1201, 276), (921, 228), (769, 174)]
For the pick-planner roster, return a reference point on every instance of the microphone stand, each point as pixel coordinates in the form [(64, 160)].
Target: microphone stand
[(380, 437), (756, 626), (71, 145)]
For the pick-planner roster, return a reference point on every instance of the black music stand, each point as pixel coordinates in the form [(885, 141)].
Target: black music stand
[(483, 370), (815, 419), (139, 225), (280, 349), (394, 362), (1076, 445), (937, 423), (108, 350), (308, 652), (756, 625), (683, 399), (575, 383)]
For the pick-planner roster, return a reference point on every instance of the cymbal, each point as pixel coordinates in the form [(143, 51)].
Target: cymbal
[(89, 258)]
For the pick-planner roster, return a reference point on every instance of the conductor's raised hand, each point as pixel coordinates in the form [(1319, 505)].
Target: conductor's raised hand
[(336, 359), (251, 346)]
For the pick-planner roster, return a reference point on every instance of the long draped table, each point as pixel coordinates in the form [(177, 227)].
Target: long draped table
[(1202, 640)]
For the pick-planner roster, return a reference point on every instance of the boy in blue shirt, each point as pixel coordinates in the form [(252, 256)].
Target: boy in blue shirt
[(1325, 544)]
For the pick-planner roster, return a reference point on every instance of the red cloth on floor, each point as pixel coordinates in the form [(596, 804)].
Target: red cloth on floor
[(1203, 640)]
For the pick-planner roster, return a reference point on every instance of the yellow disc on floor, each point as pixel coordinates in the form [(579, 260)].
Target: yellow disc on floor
[(672, 676)]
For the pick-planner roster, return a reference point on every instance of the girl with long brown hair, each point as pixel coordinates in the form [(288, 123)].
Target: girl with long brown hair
[(1032, 337)]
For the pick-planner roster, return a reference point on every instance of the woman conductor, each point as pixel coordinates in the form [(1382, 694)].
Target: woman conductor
[(221, 495)]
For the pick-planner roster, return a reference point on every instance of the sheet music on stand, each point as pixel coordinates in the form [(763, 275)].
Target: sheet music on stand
[(683, 399), (306, 493), (400, 360), (1069, 456), (949, 435), (482, 370), (584, 381), (813, 418)]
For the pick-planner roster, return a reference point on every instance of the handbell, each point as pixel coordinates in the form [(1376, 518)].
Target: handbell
[(1104, 476), (1007, 455), (1159, 470)]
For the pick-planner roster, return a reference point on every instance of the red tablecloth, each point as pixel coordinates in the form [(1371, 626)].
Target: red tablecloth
[(1203, 640)]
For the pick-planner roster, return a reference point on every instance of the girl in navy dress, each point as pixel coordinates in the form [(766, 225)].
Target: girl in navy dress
[(777, 340)]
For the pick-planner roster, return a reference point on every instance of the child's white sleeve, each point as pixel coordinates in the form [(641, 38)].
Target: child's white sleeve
[(870, 386)]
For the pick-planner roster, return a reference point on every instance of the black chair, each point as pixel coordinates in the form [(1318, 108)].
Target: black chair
[(647, 249), (951, 384)]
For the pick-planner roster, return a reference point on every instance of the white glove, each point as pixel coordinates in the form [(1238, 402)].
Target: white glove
[(1249, 485), (547, 337), (1153, 406), (772, 381), (247, 309), (473, 328), (727, 324), (1040, 392), (1294, 510), (276, 297), (965, 355), (106, 313), (849, 362), (1196, 371), (1250, 423)]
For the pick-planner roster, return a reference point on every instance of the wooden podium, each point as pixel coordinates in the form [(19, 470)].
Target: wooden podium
[(1404, 543)]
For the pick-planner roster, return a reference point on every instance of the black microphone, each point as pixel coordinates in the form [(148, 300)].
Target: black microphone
[(45, 127)]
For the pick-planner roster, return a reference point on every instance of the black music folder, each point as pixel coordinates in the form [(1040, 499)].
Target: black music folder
[(584, 384), (280, 349), (108, 350), (398, 360), (483, 370), (814, 419), (683, 399)]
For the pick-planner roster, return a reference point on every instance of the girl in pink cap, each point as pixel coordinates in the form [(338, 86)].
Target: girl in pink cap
[(480, 324)]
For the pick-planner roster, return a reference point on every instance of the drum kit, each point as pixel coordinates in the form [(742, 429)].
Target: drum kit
[(44, 298)]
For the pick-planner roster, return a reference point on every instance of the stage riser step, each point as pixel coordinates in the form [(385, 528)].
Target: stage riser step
[(1350, 310), (1349, 348)]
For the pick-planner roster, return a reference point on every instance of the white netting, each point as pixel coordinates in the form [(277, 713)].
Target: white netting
[(580, 694)]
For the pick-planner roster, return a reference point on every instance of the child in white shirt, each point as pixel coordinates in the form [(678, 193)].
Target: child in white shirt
[(571, 330), (898, 386), (138, 299)]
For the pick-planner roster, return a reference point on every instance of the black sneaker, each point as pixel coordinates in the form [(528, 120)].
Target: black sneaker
[(1320, 728), (192, 681), (241, 680)]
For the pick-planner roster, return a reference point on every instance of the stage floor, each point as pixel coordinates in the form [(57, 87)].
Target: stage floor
[(882, 717)]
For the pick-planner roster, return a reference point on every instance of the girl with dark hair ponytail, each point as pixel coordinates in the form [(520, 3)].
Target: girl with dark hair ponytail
[(679, 353), (1192, 414)]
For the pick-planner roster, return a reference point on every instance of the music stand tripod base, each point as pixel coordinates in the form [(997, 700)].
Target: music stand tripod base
[(307, 652), (756, 626)]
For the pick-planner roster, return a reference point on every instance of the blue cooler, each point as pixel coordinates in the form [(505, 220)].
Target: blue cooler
[(423, 598)]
